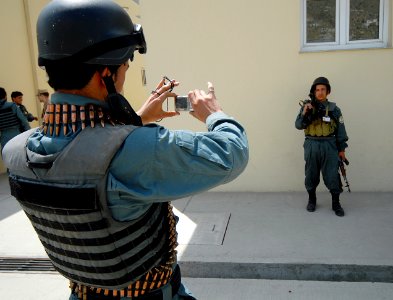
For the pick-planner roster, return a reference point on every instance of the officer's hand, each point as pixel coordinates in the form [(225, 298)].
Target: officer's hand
[(341, 155), (151, 110), (203, 104), (307, 107)]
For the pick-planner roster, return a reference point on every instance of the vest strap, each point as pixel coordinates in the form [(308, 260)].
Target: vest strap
[(45, 196)]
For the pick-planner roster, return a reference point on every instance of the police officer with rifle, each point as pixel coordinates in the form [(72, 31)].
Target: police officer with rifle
[(324, 145)]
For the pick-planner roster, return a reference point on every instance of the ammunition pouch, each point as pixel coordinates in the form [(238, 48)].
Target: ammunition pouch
[(320, 128)]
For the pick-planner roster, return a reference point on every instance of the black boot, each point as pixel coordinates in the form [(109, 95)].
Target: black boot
[(336, 206), (312, 200)]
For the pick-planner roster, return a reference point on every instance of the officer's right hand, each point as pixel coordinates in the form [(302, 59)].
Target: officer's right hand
[(341, 155), (307, 107), (204, 104)]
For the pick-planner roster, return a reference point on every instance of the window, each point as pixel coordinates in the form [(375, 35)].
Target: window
[(344, 24)]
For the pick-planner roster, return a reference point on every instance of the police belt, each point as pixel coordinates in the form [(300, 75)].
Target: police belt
[(153, 295), (321, 138)]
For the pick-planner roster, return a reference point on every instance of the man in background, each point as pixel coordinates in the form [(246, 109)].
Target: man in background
[(43, 97), (17, 97), (12, 120)]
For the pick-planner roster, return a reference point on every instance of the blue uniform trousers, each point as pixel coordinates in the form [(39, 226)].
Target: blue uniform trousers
[(321, 155)]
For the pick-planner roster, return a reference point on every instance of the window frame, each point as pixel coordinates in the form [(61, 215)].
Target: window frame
[(342, 41)]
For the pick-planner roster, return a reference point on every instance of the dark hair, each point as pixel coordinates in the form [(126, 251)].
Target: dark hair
[(16, 94), (73, 75), (3, 93)]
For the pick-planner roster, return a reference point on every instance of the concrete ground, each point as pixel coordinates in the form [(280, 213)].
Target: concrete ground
[(54, 287), (242, 246)]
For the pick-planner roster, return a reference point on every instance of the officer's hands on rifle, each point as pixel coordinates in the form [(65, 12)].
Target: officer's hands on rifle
[(307, 108)]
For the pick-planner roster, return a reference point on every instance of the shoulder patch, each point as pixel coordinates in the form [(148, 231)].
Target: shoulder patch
[(341, 119)]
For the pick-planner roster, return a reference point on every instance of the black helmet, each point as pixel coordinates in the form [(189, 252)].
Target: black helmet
[(320, 80), (87, 31)]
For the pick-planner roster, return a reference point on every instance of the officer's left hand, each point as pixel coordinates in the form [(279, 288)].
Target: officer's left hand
[(151, 110), (341, 155)]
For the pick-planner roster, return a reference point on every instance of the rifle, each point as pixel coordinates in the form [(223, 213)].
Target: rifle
[(344, 172), (312, 100), (317, 110)]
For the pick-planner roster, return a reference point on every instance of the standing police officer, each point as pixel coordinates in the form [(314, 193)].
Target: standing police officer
[(96, 181), (325, 143), (12, 120), (17, 97)]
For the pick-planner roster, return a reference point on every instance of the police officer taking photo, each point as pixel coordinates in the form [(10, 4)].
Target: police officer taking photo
[(96, 180), (324, 145)]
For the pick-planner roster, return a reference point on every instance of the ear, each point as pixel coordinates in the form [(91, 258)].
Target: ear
[(105, 73), (97, 81)]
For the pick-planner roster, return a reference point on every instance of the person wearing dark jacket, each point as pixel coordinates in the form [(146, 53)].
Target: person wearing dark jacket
[(12, 120)]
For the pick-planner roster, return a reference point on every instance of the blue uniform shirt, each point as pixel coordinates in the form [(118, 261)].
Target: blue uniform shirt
[(158, 165)]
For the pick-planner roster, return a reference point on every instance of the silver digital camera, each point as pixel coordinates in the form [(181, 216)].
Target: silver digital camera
[(182, 103)]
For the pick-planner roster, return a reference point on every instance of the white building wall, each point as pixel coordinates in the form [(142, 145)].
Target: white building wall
[(250, 51)]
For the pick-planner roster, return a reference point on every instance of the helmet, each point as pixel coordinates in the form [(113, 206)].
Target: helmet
[(320, 80), (87, 31)]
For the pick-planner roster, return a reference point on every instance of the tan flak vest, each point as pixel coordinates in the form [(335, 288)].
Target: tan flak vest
[(319, 127)]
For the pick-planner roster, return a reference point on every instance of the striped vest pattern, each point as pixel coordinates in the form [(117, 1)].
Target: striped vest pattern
[(66, 204), (8, 118)]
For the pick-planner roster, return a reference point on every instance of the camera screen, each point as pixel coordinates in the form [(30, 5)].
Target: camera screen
[(182, 103)]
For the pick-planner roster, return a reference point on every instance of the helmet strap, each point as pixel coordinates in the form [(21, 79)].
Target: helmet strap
[(110, 84), (119, 108)]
